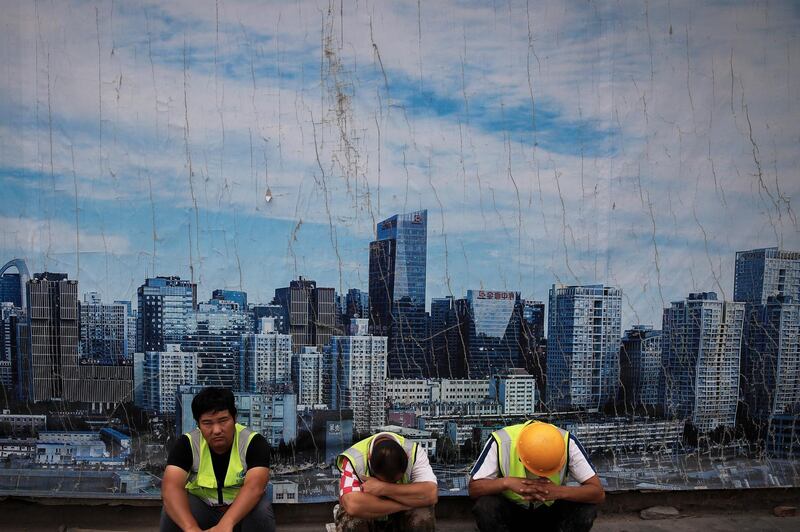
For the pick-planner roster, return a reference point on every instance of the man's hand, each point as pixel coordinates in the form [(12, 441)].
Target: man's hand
[(532, 490), (374, 486), (545, 490), (220, 527)]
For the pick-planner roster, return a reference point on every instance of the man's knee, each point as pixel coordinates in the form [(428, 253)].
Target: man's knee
[(585, 516), (260, 518), (422, 518), (347, 523), (488, 506), (579, 517)]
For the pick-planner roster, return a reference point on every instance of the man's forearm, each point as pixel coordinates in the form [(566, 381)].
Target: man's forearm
[(367, 506), (244, 502), (415, 495), (486, 486), (176, 504), (587, 493)]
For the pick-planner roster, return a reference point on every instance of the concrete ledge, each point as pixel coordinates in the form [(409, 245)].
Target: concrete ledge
[(101, 513)]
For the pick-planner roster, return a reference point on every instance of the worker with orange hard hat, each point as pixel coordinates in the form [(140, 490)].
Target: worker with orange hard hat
[(519, 481)]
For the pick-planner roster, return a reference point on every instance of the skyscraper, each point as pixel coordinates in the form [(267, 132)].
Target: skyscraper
[(266, 357), (446, 345), (356, 305), (397, 270), (214, 332), (358, 363), (49, 362), (12, 285), (490, 328), (701, 348), (9, 318), (103, 329), (767, 281), (640, 367), (533, 342), (584, 325), (310, 312), (164, 306)]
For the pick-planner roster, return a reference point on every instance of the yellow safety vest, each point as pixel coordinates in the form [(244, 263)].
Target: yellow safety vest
[(510, 464), (202, 482), (358, 454)]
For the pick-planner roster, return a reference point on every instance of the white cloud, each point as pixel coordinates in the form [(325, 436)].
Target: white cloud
[(36, 235)]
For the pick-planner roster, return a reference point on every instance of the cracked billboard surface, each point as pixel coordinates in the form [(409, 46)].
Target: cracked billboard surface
[(539, 209)]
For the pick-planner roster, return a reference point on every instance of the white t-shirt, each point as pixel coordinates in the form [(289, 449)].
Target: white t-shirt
[(580, 468), (421, 471)]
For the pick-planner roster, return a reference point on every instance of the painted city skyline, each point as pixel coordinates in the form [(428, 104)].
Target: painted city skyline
[(636, 146)]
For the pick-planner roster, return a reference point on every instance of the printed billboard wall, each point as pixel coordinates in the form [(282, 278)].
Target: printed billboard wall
[(436, 219)]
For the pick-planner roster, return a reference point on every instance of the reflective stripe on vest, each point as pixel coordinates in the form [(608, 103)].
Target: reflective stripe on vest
[(510, 464), (202, 482), (358, 453)]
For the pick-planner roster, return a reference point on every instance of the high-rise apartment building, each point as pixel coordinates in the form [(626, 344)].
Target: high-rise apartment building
[(770, 383), (640, 367), (767, 281), (490, 332), (358, 363), (701, 349), (103, 330), (163, 372), (761, 273), (310, 313), (515, 390), (397, 273), (307, 376), (584, 326), (164, 307), (266, 357)]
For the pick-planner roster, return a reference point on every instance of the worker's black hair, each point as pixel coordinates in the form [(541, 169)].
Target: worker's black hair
[(388, 459), (213, 400)]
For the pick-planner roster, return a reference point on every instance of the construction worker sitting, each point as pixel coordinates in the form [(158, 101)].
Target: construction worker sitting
[(387, 483), (520, 476), (216, 475)]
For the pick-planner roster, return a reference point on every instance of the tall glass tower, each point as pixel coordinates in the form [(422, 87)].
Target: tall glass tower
[(164, 307), (397, 268)]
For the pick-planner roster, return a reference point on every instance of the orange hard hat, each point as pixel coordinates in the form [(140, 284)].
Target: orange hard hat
[(541, 449)]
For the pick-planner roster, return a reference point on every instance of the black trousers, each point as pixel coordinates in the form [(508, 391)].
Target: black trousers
[(260, 518), (495, 513)]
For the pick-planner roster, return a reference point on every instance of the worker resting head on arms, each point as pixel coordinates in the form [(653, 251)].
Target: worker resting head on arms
[(387, 484), (520, 476), (217, 474)]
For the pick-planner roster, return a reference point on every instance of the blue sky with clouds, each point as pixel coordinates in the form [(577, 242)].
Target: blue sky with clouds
[(634, 144)]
